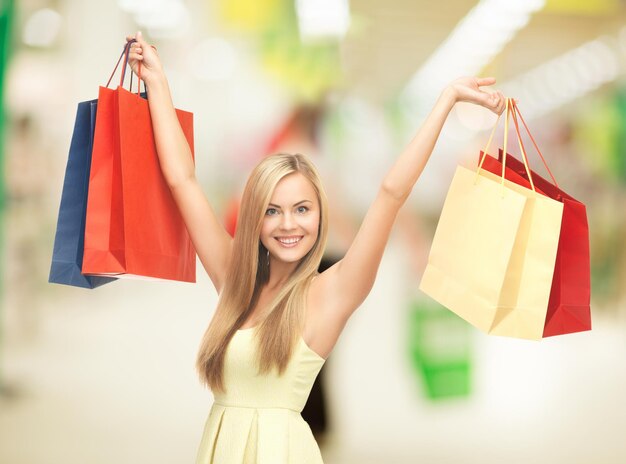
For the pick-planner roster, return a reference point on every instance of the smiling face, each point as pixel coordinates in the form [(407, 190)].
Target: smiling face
[(291, 222)]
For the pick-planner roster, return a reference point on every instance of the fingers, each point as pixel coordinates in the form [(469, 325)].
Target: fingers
[(135, 55), (138, 38), (138, 46), (468, 89), (141, 41), (486, 81), (500, 103), (135, 47), (495, 101)]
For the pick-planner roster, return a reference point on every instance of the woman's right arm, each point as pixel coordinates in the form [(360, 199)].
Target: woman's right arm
[(211, 241)]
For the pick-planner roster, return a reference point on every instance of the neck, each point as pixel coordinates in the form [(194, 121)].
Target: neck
[(279, 273)]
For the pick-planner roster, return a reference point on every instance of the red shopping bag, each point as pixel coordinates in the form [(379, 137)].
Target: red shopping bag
[(133, 227), (569, 304)]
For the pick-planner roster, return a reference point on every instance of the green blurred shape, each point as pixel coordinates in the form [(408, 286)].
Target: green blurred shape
[(308, 70), (606, 239), (440, 350), (620, 145), (601, 130), (6, 15)]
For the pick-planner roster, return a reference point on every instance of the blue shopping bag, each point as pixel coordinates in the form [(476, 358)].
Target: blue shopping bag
[(67, 255)]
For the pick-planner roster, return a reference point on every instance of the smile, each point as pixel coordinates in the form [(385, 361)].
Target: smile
[(289, 241)]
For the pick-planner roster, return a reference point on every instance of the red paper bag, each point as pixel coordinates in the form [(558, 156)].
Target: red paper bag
[(133, 227), (569, 304)]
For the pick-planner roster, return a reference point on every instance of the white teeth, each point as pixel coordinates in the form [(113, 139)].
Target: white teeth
[(289, 241)]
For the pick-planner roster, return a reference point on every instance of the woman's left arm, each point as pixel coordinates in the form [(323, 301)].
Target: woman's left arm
[(346, 284)]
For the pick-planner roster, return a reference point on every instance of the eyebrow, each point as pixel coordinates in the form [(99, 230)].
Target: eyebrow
[(295, 204)]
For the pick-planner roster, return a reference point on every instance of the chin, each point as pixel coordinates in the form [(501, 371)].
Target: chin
[(289, 257)]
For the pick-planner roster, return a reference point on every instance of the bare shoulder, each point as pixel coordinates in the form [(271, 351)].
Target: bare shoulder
[(324, 321)]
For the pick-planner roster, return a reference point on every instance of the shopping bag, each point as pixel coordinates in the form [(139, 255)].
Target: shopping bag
[(494, 165), (133, 227), (492, 257), (569, 308), (67, 254)]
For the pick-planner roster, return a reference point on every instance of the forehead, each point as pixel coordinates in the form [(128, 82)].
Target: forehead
[(293, 188)]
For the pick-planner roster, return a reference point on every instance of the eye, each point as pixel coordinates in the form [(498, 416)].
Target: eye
[(271, 211), (302, 209)]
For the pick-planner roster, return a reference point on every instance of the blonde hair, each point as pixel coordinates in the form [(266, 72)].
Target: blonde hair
[(278, 332)]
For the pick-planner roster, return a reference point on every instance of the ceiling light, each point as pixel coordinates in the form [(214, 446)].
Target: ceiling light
[(42, 28), (162, 18), (477, 38), (565, 77), (322, 19)]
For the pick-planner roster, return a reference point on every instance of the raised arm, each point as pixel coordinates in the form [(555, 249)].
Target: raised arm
[(338, 291), (211, 241)]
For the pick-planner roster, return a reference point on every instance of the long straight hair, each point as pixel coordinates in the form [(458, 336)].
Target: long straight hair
[(278, 332)]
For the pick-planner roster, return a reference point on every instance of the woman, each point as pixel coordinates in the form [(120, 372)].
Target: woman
[(277, 319)]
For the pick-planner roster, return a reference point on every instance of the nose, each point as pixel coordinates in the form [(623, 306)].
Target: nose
[(287, 222)]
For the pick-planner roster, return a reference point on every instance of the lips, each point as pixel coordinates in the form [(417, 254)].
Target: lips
[(289, 242)]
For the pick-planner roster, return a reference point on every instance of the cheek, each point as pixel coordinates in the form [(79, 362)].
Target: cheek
[(266, 229), (313, 224)]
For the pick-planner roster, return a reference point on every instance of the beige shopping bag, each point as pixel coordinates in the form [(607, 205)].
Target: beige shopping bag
[(493, 254)]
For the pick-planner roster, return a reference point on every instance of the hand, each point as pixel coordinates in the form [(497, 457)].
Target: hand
[(468, 89), (146, 54)]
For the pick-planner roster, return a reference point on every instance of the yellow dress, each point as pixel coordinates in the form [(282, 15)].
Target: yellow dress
[(257, 420)]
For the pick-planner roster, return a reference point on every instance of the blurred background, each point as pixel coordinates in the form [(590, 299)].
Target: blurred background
[(107, 375)]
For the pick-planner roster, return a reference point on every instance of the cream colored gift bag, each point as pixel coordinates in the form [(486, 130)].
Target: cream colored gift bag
[(493, 253)]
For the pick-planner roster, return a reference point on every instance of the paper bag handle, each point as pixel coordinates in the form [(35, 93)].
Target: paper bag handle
[(521, 147), (508, 110), (125, 52), (516, 108)]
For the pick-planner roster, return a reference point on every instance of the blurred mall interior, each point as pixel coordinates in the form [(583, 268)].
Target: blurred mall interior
[(106, 375)]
